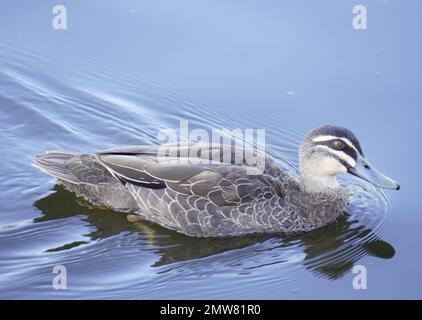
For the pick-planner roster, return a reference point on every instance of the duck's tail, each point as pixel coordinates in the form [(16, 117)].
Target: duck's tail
[(55, 164)]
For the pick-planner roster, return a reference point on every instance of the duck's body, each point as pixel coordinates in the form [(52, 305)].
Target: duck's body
[(205, 199)]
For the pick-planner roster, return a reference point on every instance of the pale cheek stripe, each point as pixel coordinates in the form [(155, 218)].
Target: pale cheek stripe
[(329, 138), (345, 157)]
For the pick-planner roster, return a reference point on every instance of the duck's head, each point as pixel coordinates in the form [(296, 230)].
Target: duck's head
[(329, 150)]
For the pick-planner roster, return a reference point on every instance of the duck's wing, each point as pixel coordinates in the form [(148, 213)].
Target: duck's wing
[(221, 182), (217, 153)]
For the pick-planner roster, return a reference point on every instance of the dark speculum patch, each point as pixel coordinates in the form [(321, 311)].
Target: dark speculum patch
[(160, 185)]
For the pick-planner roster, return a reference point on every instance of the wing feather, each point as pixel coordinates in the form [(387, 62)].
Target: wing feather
[(224, 183)]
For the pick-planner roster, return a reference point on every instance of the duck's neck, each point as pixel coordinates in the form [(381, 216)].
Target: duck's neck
[(318, 184)]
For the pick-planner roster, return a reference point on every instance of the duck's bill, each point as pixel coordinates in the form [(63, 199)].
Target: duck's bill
[(364, 170)]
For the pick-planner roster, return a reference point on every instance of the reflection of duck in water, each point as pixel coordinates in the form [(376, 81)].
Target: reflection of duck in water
[(219, 199), (330, 251)]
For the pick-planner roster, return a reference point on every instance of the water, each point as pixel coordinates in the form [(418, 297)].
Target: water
[(123, 71)]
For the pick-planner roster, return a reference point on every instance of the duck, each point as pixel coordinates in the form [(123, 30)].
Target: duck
[(219, 198)]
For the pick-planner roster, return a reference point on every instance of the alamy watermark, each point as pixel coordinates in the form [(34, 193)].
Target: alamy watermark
[(199, 146), (360, 19), (60, 280), (59, 21), (360, 280)]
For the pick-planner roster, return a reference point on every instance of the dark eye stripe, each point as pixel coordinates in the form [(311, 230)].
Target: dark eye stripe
[(346, 149)]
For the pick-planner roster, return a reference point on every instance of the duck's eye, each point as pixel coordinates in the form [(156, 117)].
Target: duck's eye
[(338, 144)]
